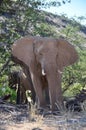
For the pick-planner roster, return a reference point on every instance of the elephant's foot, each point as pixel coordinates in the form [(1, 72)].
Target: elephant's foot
[(57, 106), (45, 111)]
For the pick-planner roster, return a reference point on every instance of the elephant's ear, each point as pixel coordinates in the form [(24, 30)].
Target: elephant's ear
[(67, 54)]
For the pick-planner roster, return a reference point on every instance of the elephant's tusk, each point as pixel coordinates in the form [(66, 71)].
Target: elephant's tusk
[(32, 76), (43, 73), (60, 72)]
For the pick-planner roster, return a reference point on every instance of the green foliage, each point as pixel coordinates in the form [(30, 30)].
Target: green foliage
[(74, 78), (44, 30), (73, 90), (8, 4), (70, 31)]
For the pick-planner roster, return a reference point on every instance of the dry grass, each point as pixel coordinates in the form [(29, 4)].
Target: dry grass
[(65, 121), (35, 117)]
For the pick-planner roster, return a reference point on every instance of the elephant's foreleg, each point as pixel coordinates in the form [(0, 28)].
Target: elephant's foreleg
[(46, 94), (45, 88), (55, 92), (38, 89)]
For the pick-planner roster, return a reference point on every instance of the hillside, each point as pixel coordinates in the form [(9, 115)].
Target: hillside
[(45, 24), (61, 22)]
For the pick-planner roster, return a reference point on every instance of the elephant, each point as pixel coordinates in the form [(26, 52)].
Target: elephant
[(45, 56)]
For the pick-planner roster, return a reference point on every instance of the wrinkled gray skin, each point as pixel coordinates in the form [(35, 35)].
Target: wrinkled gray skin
[(45, 56)]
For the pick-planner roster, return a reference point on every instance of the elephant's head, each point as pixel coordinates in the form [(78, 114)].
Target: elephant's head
[(51, 53)]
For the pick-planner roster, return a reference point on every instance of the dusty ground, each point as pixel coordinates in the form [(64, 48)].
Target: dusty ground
[(19, 118)]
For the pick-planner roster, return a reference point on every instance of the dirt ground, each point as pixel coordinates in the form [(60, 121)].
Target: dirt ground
[(18, 117)]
